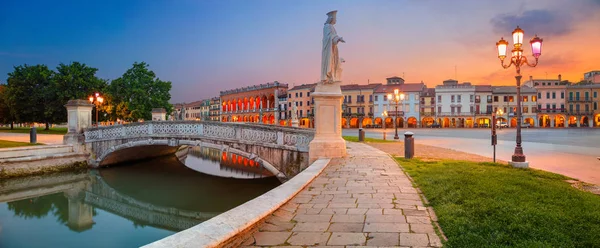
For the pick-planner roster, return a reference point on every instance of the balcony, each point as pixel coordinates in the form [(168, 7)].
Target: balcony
[(454, 114), (424, 114), (580, 112), (551, 110), (580, 99)]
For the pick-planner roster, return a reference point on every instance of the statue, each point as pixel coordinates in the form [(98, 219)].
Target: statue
[(331, 68)]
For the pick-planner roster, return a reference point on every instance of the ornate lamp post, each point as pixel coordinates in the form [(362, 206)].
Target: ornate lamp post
[(96, 99), (518, 59), (499, 113), (396, 98)]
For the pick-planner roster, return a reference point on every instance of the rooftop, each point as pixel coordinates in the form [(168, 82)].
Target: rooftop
[(254, 87), (348, 87), (411, 87), (303, 86), (512, 90)]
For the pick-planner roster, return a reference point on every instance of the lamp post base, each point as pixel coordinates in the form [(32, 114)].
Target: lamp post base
[(396, 137), (518, 156), (519, 164)]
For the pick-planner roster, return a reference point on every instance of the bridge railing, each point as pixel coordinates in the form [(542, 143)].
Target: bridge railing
[(237, 132)]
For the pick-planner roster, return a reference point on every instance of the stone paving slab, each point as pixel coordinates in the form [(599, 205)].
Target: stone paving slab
[(361, 200)]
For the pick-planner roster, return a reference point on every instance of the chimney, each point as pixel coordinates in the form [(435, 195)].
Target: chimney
[(559, 78)]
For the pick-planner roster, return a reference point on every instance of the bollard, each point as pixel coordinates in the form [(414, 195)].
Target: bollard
[(409, 145), (361, 135), (33, 135), (384, 135)]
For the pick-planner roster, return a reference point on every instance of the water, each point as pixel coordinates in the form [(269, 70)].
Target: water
[(128, 205)]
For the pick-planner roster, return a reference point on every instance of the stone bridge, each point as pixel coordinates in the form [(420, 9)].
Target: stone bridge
[(282, 150)]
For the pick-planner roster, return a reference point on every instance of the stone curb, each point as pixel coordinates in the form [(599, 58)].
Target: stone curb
[(222, 228)]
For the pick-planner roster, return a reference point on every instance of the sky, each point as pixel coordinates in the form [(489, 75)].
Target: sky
[(206, 46)]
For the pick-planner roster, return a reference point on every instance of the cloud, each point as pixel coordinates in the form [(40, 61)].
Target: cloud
[(542, 22)]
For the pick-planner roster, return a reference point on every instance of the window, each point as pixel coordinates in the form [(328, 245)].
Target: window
[(439, 109), (540, 95), (562, 107), (385, 98), (562, 95), (439, 98), (301, 113), (432, 109), (471, 109), (553, 106), (376, 98), (300, 103), (350, 99), (300, 94), (511, 98), (459, 98), (525, 109), (296, 104), (289, 95), (458, 109), (489, 98), (553, 95), (452, 99), (505, 110), (296, 94), (307, 103), (570, 107), (505, 99), (370, 109), (547, 95), (495, 98), (595, 94), (577, 96), (452, 110), (290, 104), (416, 108), (587, 95), (416, 97), (290, 113), (533, 99), (577, 107), (471, 99), (587, 108), (570, 96), (525, 98), (308, 94), (489, 109), (370, 98), (595, 105)]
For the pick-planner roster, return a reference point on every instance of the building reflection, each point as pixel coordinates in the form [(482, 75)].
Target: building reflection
[(231, 164)]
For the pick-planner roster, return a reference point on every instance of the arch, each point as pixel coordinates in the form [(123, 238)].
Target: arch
[(411, 122), (529, 121), (584, 122), (453, 122), (469, 122), (513, 122), (246, 119), (544, 121), (446, 122), (427, 122), (354, 122), (367, 122), (344, 122), (304, 122), (271, 119), (378, 122), (483, 122), (559, 121), (572, 121), (271, 101), (400, 122), (389, 122), (597, 120), (282, 122)]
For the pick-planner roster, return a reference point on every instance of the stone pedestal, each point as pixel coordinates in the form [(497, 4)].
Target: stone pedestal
[(79, 117), (519, 164), (328, 142), (295, 123)]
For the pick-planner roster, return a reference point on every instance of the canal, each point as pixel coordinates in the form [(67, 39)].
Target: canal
[(127, 205)]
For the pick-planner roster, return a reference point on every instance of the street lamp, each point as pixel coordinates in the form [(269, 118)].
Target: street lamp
[(396, 98), (96, 99), (499, 113), (518, 59), (385, 115)]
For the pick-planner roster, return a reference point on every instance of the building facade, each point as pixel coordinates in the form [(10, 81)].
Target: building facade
[(408, 109), (582, 105), (300, 96), (427, 105), (214, 109), (505, 98), (358, 105), (455, 104), (483, 107), (551, 100), (257, 103)]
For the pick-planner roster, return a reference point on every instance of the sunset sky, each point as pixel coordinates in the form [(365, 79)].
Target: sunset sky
[(207, 46)]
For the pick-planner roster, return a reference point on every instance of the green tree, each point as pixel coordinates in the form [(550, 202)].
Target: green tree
[(134, 94), (72, 81), (6, 116), (27, 94)]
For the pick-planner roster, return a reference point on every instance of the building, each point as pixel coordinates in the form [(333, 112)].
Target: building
[(358, 105), (582, 105), (159, 114), (408, 109), (483, 107), (592, 77), (505, 98), (550, 101), (257, 103), (214, 109), (427, 105), (300, 96), (455, 104), (205, 110), (283, 110)]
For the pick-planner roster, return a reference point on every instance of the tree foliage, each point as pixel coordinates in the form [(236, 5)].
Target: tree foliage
[(134, 94), (27, 95)]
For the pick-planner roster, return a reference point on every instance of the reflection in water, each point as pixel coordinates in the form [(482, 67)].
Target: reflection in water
[(223, 164), (123, 206)]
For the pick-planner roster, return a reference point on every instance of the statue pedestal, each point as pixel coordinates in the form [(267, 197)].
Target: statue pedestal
[(328, 142), (295, 123)]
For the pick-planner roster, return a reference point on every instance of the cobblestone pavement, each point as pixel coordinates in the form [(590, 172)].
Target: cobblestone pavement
[(363, 199)]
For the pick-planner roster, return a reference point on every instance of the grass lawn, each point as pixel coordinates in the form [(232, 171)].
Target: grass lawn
[(493, 205), (7, 144), (56, 130), (355, 139)]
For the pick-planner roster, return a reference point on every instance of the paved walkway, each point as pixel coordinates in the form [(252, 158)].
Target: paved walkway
[(364, 199), (48, 139)]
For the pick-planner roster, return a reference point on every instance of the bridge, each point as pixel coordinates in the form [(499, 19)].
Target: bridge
[(281, 150)]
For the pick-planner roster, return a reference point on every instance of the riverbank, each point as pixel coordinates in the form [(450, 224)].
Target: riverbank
[(9, 144), (35, 160)]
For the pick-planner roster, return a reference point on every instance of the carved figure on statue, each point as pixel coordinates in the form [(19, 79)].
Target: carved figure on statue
[(331, 64)]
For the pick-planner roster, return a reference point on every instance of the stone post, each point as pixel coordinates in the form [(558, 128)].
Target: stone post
[(328, 142), (80, 213), (79, 117)]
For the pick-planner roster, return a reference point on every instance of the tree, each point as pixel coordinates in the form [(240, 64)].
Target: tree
[(134, 94), (72, 81), (27, 93), (5, 113)]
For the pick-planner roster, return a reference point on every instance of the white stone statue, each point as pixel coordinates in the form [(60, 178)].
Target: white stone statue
[(294, 114), (331, 64)]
